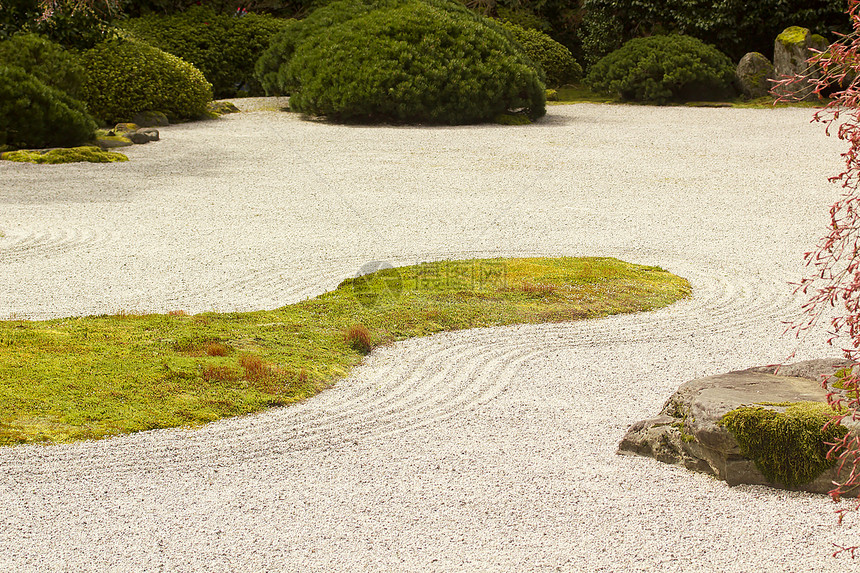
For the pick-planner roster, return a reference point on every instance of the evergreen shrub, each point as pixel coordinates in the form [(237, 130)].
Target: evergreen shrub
[(33, 114), (124, 77), (48, 61), (222, 46), (659, 69), (735, 27), (557, 62), (403, 61)]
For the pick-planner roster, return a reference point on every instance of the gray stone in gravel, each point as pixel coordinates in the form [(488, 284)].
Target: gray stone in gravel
[(143, 135), (791, 52), (687, 431), (754, 72)]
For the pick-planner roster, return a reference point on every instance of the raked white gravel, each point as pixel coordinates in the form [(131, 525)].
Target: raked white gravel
[(485, 450)]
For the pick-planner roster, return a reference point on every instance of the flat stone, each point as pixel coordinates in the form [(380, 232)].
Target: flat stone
[(143, 135), (221, 107), (687, 430)]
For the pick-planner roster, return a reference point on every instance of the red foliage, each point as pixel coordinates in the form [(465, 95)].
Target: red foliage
[(835, 263)]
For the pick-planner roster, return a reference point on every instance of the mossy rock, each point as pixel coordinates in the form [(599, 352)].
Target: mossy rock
[(755, 426), (89, 153), (794, 53)]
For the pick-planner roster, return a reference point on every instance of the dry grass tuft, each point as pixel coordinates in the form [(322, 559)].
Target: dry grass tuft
[(537, 289), (216, 349), (220, 374), (255, 368), (358, 338), (177, 313)]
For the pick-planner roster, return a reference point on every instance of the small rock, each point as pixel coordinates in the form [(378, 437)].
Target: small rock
[(150, 119), (754, 74), (221, 107), (123, 128), (143, 135)]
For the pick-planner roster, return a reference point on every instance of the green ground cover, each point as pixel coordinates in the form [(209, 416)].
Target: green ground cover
[(90, 377)]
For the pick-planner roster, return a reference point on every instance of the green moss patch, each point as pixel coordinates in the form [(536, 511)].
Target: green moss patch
[(792, 35), (91, 377), (66, 155), (788, 447)]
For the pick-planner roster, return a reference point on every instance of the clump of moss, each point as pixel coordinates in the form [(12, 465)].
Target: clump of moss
[(90, 154), (787, 447)]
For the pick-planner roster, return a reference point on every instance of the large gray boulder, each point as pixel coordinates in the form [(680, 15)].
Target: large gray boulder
[(754, 74), (791, 52), (687, 431)]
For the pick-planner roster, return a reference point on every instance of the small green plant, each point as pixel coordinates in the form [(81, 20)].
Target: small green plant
[(403, 61), (359, 339), (557, 62), (89, 154), (33, 114), (787, 447), (659, 69), (124, 77), (223, 47)]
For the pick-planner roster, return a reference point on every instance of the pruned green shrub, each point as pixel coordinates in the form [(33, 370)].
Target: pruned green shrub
[(222, 46), (403, 61), (47, 61), (557, 62), (33, 114), (735, 27), (663, 68), (124, 77)]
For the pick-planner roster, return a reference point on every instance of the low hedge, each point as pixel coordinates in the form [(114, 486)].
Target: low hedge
[(224, 47), (124, 77)]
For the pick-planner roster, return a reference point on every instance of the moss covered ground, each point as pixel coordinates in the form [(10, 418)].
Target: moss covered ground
[(91, 377)]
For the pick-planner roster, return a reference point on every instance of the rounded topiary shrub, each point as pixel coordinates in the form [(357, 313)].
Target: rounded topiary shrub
[(124, 77), (222, 46), (557, 62), (659, 69), (33, 114), (47, 61), (403, 61)]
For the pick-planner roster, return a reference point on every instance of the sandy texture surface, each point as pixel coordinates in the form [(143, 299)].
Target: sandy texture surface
[(487, 450)]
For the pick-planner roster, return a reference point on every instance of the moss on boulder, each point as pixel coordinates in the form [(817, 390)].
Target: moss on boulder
[(786, 441)]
